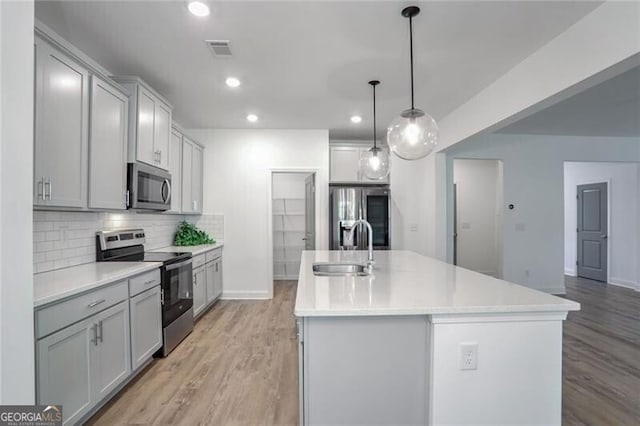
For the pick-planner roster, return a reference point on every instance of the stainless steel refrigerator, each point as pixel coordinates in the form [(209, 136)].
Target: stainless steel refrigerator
[(350, 203)]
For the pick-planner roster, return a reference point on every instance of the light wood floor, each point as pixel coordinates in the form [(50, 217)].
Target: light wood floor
[(601, 355), (239, 366)]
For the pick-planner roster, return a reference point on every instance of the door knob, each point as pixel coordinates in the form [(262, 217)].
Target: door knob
[(603, 236)]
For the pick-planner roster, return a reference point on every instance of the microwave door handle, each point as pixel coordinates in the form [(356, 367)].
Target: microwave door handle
[(166, 184)]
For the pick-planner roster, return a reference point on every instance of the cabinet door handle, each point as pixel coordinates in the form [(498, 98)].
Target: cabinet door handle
[(41, 189), (216, 267), (96, 303), (101, 331), (95, 334), (149, 282), (49, 183), (162, 297)]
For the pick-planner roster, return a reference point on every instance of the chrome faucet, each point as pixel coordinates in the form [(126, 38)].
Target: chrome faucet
[(358, 222)]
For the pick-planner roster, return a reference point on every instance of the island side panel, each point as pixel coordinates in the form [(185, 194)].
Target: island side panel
[(365, 370), (518, 379)]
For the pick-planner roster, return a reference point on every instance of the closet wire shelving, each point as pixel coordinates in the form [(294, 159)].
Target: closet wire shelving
[(288, 234)]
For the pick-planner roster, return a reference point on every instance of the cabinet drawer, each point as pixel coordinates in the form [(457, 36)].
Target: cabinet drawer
[(60, 315), (143, 282), (199, 260), (213, 254)]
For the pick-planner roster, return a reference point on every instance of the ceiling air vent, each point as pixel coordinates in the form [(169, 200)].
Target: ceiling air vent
[(220, 47)]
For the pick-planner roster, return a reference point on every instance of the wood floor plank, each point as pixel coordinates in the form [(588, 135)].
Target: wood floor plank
[(601, 355)]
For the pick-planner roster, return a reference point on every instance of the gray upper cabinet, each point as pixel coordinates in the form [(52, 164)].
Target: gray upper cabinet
[(107, 146), (197, 179), (61, 129), (150, 123), (145, 150), (187, 168), (192, 177), (344, 162), (162, 134), (175, 168)]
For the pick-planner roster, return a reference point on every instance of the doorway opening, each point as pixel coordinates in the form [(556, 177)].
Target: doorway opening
[(601, 215), (293, 221), (478, 215)]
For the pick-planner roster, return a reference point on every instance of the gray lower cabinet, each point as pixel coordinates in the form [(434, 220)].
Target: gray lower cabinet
[(88, 346), (199, 290), (113, 351), (211, 282), (146, 326), (81, 364), (64, 369), (207, 280)]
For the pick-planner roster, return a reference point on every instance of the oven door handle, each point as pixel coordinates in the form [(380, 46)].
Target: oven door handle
[(178, 265)]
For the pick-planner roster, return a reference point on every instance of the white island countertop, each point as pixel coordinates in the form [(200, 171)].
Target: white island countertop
[(194, 250), (56, 285), (406, 283)]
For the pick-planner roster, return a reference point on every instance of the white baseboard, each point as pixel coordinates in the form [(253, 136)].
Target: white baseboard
[(245, 295), (624, 283), (570, 272)]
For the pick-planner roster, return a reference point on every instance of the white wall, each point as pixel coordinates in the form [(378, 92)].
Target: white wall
[(478, 217), (237, 183), (533, 168), (16, 176), (624, 216)]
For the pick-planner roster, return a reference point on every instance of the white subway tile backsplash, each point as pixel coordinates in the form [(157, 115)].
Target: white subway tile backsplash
[(63, 239)]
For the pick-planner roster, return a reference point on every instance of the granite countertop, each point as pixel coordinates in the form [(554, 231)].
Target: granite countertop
[(406, 283), (55, 285), (194, 250)]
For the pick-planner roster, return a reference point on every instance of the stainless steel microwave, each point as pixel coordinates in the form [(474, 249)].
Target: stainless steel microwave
[(148, 188)]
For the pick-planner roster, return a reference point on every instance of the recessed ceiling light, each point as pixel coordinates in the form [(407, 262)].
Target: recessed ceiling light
[(252, 118), (198, 8), (356, 119), (232, 82)]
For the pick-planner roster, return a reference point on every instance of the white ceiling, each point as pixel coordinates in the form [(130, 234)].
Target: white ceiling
[(611, 108), (306, 64)]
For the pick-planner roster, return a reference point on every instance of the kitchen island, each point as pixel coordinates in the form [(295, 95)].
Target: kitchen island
[(420, 341)]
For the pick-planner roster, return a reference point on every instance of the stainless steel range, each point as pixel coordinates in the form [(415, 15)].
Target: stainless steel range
[(177, 280)]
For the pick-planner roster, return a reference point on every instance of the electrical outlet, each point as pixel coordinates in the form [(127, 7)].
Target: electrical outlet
[(468, 356)]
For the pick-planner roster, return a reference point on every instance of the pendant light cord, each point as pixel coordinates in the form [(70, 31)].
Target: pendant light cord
[(374, 117), (411, 56)]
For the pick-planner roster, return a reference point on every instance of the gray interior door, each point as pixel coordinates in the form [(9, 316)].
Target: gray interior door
[(310, 212), (592, 231)]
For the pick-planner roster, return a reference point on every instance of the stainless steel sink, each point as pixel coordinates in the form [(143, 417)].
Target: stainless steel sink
[(340, 269)]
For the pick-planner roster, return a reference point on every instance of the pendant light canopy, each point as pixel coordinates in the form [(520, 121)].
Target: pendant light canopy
[(374, 163), (414, 134)]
